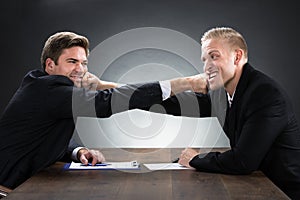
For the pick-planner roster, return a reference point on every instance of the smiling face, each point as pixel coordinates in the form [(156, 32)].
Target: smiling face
[(219, 64), (72, 63), (224, 53)]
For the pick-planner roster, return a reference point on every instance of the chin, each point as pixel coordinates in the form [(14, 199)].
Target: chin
[(214, 86), (211, 87)]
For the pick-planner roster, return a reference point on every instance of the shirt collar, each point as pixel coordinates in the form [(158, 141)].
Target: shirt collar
[(230, 98)]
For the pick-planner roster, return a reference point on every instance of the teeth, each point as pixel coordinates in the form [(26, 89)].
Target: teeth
[(212, 75)]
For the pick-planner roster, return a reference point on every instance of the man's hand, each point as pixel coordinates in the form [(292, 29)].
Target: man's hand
[(84, 155), (196, 83), (186, 156), (199, 83), (92, 82)]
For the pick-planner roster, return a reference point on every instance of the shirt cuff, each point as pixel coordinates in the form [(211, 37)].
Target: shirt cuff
[(165, 88), (74, 153)]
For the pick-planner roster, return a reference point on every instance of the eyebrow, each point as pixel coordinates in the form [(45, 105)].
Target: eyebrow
[(209, 53), (213, 51), (76, 60)]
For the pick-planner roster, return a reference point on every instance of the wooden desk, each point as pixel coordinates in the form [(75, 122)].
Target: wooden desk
[(56, 183)]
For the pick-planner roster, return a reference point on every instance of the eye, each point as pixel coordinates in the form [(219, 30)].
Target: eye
[(84, 64), (214, 56), (72, 61)]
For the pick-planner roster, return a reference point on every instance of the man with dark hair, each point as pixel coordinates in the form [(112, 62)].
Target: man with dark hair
[(38, 122)]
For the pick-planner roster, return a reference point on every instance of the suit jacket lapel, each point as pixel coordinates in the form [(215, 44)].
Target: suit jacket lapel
[(231, 121)]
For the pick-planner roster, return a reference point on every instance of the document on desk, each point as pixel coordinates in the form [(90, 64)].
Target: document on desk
[(165, 166), (100, 166)]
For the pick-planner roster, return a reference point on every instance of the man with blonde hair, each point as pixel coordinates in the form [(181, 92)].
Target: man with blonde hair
[(260, 122)]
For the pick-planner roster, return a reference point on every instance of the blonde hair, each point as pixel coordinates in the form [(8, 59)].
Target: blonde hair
[(234, 38), (60, 41)]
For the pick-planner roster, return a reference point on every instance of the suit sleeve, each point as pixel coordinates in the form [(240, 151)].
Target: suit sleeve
[(264, 118), (67, 157), (188, 104), (75, 102)]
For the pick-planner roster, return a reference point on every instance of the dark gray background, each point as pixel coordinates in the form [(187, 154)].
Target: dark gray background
[(270, 28)]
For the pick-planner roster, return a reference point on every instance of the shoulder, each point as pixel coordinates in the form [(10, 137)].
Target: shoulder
[(260, 90), (259, 83), (41, 78)]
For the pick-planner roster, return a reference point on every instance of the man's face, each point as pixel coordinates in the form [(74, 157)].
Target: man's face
[(218, 59), (72, 63)]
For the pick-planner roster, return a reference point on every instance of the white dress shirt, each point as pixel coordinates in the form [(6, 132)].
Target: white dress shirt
[(230, 98)]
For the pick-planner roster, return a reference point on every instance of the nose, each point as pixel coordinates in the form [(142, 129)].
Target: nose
[(79, 67), (206, 67), (209, 67)]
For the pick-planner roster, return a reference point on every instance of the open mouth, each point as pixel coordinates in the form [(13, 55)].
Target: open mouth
[(212, 75)]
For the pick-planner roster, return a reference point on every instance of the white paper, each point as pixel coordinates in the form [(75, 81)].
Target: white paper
[(107, 165), (165, 166)]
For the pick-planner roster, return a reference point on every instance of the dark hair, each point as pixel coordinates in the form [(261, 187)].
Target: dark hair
[(58, 42)]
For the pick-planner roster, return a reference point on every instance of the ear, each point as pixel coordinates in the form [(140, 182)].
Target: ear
[(49, 68), (238, 56)]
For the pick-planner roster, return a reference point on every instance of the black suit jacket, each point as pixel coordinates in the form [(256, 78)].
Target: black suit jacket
[(263, 133), (37, 124)]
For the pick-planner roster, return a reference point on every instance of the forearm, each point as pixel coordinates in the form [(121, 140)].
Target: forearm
[(106, 85), (217, 162), (179, 85), (188, 104), (196, 83)]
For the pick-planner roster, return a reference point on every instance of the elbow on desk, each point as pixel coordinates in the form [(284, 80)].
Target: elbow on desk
[(244, 169), (216, 166)]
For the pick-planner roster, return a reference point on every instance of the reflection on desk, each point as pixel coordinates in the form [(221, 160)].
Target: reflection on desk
[(56, 183)]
